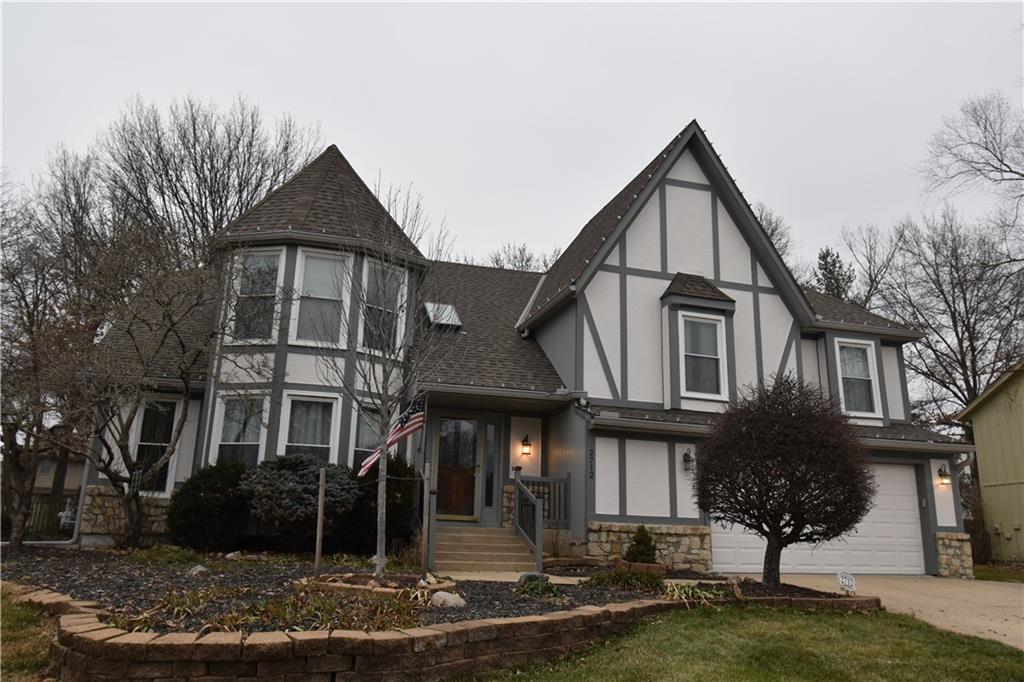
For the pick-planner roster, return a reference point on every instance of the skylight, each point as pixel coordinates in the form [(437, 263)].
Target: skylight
[(443, 315)]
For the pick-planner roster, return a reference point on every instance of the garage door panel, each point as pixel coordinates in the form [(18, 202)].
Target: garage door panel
[(887, 541)]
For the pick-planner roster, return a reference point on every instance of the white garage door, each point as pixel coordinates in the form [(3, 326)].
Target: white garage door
[(888, 540)]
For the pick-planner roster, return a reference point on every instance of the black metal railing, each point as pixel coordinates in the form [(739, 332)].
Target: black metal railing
[(553, 495), (529, 519)]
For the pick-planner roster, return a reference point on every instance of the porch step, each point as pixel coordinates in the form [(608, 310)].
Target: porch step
[(474, 548)]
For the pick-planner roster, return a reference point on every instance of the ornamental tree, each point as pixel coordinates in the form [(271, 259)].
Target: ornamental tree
[(784, 463)]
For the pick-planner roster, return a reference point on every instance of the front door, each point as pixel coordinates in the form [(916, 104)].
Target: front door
[(458, 466)]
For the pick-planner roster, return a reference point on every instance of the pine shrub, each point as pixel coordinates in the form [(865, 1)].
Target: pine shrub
[(641, 547), (209, 510)]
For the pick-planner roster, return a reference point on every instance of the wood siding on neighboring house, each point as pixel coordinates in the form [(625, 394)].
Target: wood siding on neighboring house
[(999, 436)]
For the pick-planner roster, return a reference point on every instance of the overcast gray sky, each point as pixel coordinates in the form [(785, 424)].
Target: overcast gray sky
[(518, 122)]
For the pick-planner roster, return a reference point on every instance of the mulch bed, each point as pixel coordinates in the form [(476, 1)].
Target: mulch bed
[(169, 599), (582, 571)]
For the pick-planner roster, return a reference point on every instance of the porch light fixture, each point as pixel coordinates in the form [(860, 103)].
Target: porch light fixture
[(944, 477), (527, 446), (688, 460)]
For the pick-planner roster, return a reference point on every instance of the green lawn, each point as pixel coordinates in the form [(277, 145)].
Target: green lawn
[(25, 634), (773, 644), (1006, 573)]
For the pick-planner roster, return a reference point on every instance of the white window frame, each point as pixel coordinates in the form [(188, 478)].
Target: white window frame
[(229, 335), (218, 422), (136, 436), (346, 300), (286, 418), (400, 310), (723, 351), (872, 369)]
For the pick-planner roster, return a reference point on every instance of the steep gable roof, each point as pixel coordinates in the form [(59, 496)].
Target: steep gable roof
[(326, 197), (580, 256)]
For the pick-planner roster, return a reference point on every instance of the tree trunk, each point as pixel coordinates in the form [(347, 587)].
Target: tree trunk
[(382, 507), (19, 522), (133, 520), (772, 561)]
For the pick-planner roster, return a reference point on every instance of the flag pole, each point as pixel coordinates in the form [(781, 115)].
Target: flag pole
[(425, 521)]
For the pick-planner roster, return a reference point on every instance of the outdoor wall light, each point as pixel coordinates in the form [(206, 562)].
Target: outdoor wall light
[(944, 477), (689, 461), (527, 446)]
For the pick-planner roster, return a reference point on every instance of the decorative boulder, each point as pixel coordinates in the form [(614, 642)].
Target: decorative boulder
[(447, 600), (532, 577), (197, 569)]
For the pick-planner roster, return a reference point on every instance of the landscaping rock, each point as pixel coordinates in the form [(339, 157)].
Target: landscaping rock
[(447, 600), (198, 569), (532, 577), (233, 556)]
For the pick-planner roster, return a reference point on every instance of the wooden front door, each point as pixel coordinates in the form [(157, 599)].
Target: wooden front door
[(458, 466)]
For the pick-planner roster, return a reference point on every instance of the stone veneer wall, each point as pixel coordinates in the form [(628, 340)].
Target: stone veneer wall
[(102, 513), (954, 553), (678, 547), (87, 649)]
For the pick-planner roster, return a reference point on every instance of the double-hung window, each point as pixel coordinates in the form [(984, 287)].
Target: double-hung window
[(703, 350), (382, 301), (310, 427), (256, 297), (324, 283), (241, 431), (858, 378), (367, 436), (155, 436)]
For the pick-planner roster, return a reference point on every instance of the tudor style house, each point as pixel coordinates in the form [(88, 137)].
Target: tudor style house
[(571, 404)]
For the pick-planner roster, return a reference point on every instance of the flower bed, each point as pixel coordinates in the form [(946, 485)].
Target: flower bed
[(88, 648)]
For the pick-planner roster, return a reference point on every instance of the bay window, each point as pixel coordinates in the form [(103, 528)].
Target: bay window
[(322, 286), (311, 426), (241, 430), (382, 302), (256, 297)]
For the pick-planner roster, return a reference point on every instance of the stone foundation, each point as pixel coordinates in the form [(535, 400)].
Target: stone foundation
[(954, 554), (103, 515), (678, 547)]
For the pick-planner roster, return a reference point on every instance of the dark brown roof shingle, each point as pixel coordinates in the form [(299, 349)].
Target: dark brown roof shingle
[(487, 350), (695, 285), (326, 197), (831, 309)]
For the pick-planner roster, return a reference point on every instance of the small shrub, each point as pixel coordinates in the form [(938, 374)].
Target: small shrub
[(641, 548), (625, 580), (537, 589), (359, 524), (283, 495), (165, 555), (209, 510)]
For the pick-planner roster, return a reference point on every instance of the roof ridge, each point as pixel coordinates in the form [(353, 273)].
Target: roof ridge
[(320, 185), (536, 273)]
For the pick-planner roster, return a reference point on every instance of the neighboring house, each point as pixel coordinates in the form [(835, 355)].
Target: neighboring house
[(997, 417), (599, 378)]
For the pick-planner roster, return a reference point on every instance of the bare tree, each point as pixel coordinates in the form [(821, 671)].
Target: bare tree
[(515, 256), (962, 285), (982, 146), (778, 230), (397, 338), (192, 171), (873, 252)]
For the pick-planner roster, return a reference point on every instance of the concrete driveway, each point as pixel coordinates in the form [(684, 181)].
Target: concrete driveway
[(982, 608)]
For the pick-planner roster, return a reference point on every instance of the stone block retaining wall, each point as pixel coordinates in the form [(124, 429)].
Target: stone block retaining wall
[(954, 554), (102, 513), (88, 650), (678, 547)]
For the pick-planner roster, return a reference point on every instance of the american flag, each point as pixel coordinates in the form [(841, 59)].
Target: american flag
[(411, 421)]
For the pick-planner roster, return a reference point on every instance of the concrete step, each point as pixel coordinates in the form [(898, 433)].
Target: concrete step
[(521, 566), (474, 530), (481, 549), (494, 557)]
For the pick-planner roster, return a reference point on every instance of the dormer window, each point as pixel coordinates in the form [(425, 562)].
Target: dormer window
[(703, 366), (858, 376)]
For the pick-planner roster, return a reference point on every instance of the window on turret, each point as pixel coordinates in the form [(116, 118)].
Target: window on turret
[(381, 306), (323, 287), (257, 296)]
